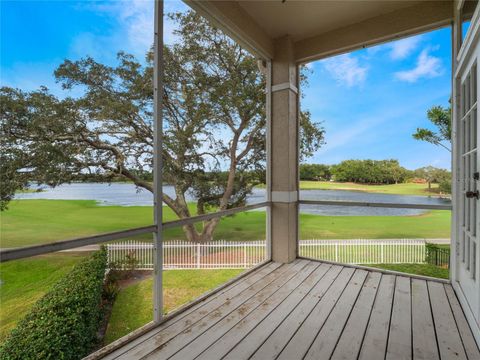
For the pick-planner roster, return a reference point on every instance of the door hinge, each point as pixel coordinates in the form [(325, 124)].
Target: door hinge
[(472, 194)]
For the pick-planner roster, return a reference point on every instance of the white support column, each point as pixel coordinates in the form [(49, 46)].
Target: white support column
[(284, 152), (157, 163), (268, 146)]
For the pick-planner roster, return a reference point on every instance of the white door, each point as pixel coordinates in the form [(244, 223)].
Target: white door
[(468, 160)]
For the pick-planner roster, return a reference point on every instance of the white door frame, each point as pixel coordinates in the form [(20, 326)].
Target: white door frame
[(463, 58)]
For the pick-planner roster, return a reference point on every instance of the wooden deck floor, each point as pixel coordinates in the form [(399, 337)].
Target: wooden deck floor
[(313, 310)]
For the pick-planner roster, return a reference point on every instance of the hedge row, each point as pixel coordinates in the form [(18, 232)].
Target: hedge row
[(64, 323)]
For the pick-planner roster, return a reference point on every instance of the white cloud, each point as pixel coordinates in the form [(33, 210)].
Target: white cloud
[(427, 66), (137, 16), (97, 46), (402, 48), (345, 69), (356, 130), (133, 31)]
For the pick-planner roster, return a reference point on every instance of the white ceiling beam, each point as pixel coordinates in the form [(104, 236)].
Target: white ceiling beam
[(400, 23), (235, 21)]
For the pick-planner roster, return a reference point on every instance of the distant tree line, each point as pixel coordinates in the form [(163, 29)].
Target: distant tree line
[(370, 171), (375, 172)]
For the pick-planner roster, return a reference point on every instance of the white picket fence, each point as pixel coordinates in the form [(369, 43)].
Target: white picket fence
[(365, 251), (180, 254)]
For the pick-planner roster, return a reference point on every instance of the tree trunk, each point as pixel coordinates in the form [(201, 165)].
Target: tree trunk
[(208, 229), (206, 235), (192, 234)]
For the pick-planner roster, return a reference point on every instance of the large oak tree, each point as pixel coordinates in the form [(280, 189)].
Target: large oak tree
[(214, 124)]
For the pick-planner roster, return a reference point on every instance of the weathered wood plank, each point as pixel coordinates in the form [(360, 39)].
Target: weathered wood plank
[(315, 311), (423, 329), (326, 340), (469, 344), (253, 310), (278, 327), (259, 292), (200, 310), (202, 315), (351, 339), (449, 341), (244, 327), (374, 344), (399, 345), (299, 344)]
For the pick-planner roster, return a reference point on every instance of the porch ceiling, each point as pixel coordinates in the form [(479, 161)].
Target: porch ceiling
[(303, 19), (322, 28)]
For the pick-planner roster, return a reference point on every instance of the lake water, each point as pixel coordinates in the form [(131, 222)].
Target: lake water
[(124, 194)]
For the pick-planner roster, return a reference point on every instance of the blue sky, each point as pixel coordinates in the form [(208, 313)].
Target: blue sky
[(370, 101)]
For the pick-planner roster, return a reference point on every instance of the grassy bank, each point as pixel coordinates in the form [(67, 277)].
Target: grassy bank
[(26, 281), (394, 189), (29, 222), (418, 269), (133, 306), (433, 224)]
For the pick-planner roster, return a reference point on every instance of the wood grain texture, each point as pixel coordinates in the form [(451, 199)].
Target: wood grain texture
[(313, 310)]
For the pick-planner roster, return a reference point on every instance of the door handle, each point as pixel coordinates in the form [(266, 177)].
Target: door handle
[(472, 194)]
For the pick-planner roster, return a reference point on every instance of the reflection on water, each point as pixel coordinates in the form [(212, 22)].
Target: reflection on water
[(342, 195), (124, 194)]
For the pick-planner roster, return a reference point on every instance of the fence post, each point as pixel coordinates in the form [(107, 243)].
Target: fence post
[(198, 255), (381, 252), (336, 252), (245, 255)]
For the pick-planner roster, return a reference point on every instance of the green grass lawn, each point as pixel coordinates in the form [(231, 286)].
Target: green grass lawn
[(133, 306), (25, 281), (29, 222), (433, 224), (398, 189), (419, 269)]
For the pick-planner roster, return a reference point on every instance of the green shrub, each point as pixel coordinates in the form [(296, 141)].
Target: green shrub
[(445, 186), (64, 323), (437, 255)]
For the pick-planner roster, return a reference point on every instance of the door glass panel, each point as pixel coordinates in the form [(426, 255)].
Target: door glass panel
[(467, 93), (473, 200), (468, 253), (474, 127), (474, 83), (474, 260)]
